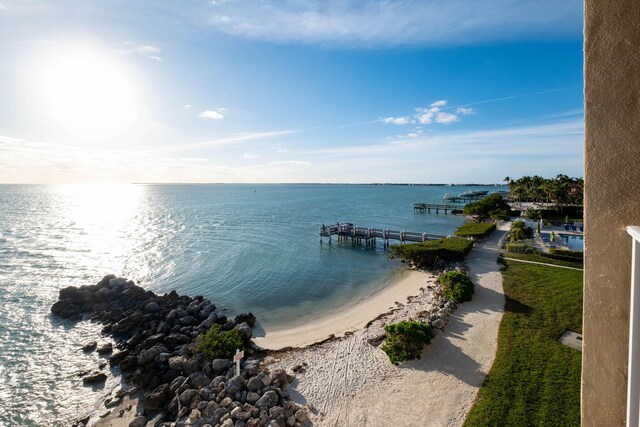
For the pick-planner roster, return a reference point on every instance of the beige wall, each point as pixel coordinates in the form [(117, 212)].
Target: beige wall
[(612, 201)]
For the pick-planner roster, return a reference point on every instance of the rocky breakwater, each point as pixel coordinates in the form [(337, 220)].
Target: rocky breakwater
[(157, 350)]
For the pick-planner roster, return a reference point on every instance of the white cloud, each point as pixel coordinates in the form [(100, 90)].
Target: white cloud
[(2, 7), (145, 50), (397, 120), (283, 150), (431, 114), (399, 22), (217, 114), (465, 111), (249, 156), (446, 118), (291, 162), (187, 105)]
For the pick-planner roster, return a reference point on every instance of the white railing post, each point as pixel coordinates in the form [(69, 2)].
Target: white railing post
[(633, 372)]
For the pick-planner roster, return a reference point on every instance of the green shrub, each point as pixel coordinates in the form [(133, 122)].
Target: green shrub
[(520, 231), (456, 286), (475, 229), (565, 255), (533, 214), (406, 340), (427, 254), (219, 344), (491, 206)]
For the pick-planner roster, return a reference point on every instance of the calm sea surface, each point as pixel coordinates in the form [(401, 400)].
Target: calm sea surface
[(246, 247)]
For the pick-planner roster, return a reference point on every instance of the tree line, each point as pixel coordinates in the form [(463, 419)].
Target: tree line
[(559, 191)]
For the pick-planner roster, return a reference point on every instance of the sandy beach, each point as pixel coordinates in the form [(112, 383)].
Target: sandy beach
[(350, 382), (349, 319)]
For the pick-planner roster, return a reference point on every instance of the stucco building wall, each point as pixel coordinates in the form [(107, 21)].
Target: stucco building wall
[(612, 201)]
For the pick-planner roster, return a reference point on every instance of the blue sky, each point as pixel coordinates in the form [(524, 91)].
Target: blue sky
[(290, 91)]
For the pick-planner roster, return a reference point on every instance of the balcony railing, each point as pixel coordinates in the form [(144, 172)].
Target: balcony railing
[(633, 380)]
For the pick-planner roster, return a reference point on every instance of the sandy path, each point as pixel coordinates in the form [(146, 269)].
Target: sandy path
[(352, 383)]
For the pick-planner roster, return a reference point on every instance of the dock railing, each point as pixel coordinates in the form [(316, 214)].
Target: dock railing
[(633, 380)]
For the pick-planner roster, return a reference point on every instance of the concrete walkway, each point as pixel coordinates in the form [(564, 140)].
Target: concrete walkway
[(440, 389)]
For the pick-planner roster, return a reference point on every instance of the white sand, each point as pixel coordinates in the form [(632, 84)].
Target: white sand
[(351, 383), (348, 319)]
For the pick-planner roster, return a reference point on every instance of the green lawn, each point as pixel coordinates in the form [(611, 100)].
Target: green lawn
[(534, 381), (545, 260)]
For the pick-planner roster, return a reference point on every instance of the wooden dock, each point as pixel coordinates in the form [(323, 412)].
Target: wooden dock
[(346, 230), (428, 207)]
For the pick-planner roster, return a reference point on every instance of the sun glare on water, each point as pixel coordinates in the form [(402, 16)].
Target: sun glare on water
[(85, 91)]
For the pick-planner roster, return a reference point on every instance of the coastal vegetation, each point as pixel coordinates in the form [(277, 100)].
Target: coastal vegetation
[(476, 230), (520, 231), (219, 344), (559, 191), (406, 340), (491, 207), (456, 286), (535, 380), (428, 254)]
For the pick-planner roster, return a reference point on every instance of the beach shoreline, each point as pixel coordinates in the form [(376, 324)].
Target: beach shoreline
[(349, 318)]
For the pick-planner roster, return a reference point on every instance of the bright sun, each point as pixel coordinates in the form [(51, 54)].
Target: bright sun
[(85, 92)]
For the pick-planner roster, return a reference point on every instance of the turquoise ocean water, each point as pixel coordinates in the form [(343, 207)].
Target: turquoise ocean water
[(246, 247)]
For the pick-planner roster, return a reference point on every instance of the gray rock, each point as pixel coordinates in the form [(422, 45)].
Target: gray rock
[(147, 356), (194, 416), (163, 357), (105, 348), (252, 397), (255, 384), (89, 346), (156, 399), (302, 416), (280, 375), (177, 382), (188, 320), (174, 340), (96, 377), (177, 363), (139, 421), (209, 321), (187, 396), (218, 414), (226, 402), (246, 317), (209, 410), (229, 325), (227, 423), (198, 380), (251, 367), (291, 421), (235, 384), (268, 400), (152, 307), (244, 330), (220, 365)]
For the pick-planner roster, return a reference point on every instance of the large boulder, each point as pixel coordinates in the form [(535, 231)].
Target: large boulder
[(156, 399), (235, 385), (249, 318), (147, 356), (94, 378), (268, 400), (199, 380), (244, 330), (219, 366)]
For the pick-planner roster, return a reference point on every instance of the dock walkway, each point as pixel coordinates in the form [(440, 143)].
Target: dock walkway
[(427, 207), (346, 230)]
